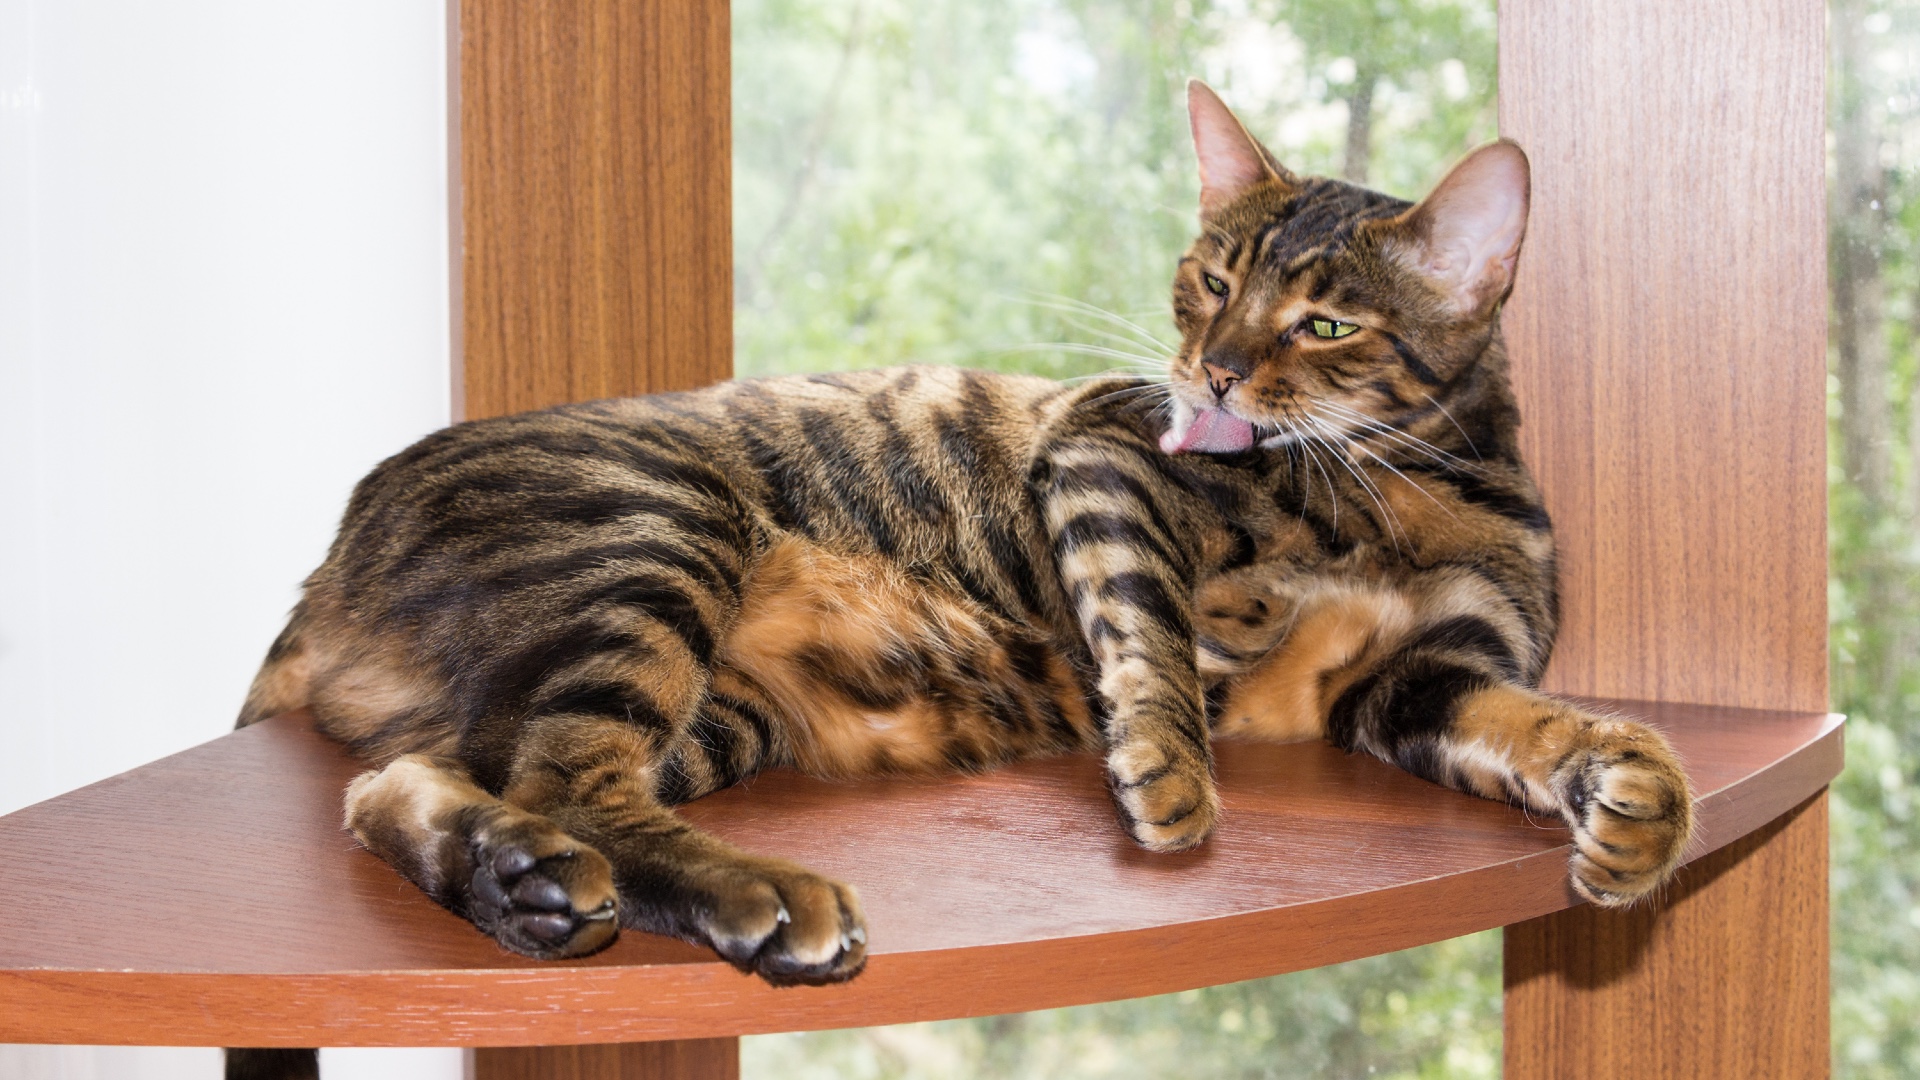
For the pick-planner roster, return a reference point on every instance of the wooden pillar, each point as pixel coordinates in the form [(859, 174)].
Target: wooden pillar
[(686, 1059), (1668, 337), (592, 258), (595, 254), (1679, 989)]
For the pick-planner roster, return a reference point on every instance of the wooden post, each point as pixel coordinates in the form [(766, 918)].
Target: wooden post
[(686, 1059), (595, 256), (1692, 987), (1668, 336), (592, 258)]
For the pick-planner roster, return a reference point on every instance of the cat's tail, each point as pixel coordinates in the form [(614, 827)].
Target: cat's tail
[(286, 677)]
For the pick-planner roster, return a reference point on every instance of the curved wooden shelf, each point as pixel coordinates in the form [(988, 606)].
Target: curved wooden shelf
[(210, 898)]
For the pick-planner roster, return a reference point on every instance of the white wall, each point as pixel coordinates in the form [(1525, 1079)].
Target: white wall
[(223, 296)]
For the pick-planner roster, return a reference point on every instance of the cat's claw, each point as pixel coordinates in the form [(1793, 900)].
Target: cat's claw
[(1631, 812), (1167, 803), (785, 924)]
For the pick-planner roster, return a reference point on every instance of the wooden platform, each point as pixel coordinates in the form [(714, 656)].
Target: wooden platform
[(211, 897)]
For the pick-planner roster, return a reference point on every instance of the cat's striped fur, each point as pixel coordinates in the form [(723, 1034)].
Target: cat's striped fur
[(548, 629)]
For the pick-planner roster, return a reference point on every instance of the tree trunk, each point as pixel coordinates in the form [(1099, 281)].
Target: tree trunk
[(1359, 127), (1857, 216)]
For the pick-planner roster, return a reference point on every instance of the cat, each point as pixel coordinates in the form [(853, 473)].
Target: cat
[(546, 630)]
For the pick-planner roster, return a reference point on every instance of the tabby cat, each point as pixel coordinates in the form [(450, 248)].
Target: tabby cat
[(549, 629)]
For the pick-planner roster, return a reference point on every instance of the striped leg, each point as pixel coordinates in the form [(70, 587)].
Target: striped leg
[(1122, 570), (602, 781), (583, 832), (1436, 712)]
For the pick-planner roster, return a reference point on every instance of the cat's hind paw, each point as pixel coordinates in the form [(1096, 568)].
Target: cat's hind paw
[(517, 875), (539, 893)]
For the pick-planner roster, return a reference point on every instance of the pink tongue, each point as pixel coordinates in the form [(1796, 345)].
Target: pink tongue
[(1214, 431)]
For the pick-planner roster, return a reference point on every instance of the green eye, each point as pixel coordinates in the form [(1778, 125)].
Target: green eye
[(1214, 285), (1330, 328)]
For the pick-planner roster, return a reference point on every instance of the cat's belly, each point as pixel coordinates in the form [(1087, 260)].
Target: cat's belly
[(874, 671)]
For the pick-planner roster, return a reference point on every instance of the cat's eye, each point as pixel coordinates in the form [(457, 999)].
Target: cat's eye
[(1214, 285), (1331, 328)]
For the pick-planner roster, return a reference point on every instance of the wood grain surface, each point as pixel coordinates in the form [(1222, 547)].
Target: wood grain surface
[(1668, 341), (595, 256), (680, 1059), (211, 897), (1668, 334), (1727, 978)]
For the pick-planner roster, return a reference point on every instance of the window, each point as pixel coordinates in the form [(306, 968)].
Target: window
[(1873, 228), (1008, 184)]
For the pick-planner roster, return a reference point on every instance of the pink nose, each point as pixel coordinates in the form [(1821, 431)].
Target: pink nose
[(1219, 379)]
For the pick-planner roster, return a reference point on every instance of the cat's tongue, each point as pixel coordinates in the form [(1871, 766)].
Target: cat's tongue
[(1214, 431)]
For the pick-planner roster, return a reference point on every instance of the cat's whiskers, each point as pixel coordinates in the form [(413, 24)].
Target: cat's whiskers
[(1374, 494), (1155, 363), (1298, 462), (1070, 305), (1401, 438), (1119, 340), (1163, 389), (1333, 493), (1387, 465), (1370, 426), (1142, 377), (1464, 437)]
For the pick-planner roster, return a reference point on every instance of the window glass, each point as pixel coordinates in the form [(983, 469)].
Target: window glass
[(1008, 184), (942, 182), (1873, 226)]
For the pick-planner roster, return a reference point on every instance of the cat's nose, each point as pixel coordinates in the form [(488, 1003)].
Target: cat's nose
[(1219, 379)]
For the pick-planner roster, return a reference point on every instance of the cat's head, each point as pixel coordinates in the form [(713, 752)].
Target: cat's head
[(1310, 307)]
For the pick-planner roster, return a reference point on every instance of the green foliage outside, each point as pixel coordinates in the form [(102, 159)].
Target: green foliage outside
[(922, 181), (1874, 484), (1431, 1012), (946, 182)]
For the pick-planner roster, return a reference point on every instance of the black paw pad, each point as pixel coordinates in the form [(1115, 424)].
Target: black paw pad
[(545, 907)]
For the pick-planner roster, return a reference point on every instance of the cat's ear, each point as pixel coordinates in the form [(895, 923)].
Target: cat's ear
[(1231, 160), (1465, 235)]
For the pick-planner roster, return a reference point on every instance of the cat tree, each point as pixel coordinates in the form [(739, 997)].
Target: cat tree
[(1668, 342)]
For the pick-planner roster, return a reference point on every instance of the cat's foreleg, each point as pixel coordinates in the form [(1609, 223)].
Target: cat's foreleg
[(1133, 605), (582, 841), (516, 875), (1615, 782), (601, 780)]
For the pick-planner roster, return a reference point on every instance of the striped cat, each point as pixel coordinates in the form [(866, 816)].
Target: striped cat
[(549, 629)]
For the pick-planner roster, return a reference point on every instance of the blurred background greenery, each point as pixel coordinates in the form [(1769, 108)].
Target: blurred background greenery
[(947, 182), (921, 181), (1873, 229)]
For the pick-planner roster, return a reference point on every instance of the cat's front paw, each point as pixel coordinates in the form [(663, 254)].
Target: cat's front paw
[(1166, 801), (1630, 808), (782, 922)]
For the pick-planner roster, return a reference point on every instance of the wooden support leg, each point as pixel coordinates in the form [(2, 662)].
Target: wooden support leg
[(684, 1059), (1726, 978)]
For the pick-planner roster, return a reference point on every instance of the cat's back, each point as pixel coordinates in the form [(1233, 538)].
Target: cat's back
[(979, 417), (902, 462), (972, 414)]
